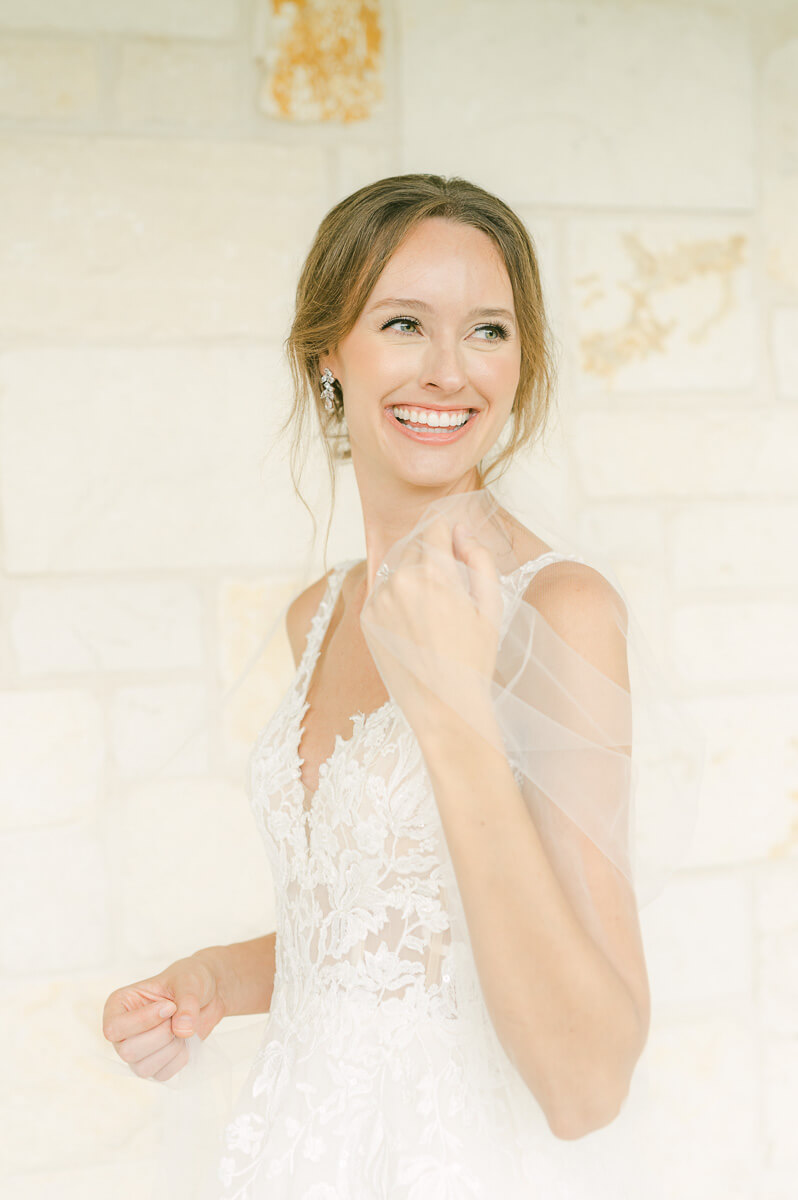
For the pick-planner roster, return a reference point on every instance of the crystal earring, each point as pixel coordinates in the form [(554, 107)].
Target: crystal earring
[(327, 379)]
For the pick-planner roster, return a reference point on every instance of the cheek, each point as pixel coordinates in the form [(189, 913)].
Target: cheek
[(512, 364), (374, 361), (500, 377)]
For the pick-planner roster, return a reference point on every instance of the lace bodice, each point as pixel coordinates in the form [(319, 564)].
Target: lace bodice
[(362, 901), (380, 1075)]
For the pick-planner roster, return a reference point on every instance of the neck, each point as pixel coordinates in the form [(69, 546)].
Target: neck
[(390, 510)]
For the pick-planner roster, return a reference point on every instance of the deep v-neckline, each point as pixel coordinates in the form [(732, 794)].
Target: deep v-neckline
[(313, 650), (306, 670)]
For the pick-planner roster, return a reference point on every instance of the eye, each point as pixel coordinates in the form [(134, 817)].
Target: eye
[(400, 321), (500, 332)]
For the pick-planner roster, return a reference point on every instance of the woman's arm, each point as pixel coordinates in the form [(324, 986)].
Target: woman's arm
[(573, 1018), (244, 973)]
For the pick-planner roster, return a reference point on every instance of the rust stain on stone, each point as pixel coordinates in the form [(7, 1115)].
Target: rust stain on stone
[(323, 60), (644, 333)]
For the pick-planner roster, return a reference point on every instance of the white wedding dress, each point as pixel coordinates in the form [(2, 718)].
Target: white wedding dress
[(380, 1076)]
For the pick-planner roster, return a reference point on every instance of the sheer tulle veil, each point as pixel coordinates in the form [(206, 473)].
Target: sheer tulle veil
[(610, 774)]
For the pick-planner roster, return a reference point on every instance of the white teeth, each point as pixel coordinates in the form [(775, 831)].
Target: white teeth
[(434, 420)]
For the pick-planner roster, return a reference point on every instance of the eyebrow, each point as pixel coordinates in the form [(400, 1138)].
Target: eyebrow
[(393, 301)]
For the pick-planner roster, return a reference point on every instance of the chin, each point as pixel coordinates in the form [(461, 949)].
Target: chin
[(436, 477)]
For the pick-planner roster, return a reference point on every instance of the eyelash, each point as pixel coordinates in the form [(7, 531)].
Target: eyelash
[(502, 330)]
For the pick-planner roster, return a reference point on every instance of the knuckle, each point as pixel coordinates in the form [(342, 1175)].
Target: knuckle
[(191, 978), (175, 1064), (125, 1051), (108, 1021)]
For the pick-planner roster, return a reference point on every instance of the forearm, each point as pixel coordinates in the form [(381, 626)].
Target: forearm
[(245, 973), (562, 1012)]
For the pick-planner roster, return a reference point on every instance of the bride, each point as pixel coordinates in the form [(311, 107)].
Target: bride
[(457, 987)]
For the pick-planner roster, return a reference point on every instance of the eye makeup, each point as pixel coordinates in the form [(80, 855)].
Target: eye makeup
[(497, 326)]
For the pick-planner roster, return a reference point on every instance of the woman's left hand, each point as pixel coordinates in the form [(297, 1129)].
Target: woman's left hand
[(423, 623)]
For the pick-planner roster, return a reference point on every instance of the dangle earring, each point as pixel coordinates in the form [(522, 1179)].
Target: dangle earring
[(328, 395)]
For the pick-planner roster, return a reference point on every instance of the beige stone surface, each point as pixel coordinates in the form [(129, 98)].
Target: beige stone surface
[(635, 535), (734, 544), (545, 235), (704, 1084), (116, 459), (743, 643), (665, 305), (108, 625), (362, 163), (779, 153), (685, 451), (748, 807), (699, 942), (776, 913), (191, 868), (189, 18), (177, 84), (135, 237), (123, 1182), (784, 340), (52, 757), (781, 1098), (47, 78), (584, 104), (779, 205), (253, 639), (63, 1110), (160, 730), (56, 889)]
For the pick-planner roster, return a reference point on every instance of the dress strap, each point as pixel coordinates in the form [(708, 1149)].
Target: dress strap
[(522, 574), (321, 617)]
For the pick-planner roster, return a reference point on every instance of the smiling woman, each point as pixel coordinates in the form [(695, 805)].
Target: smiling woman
[(448, 791), (434, 286)]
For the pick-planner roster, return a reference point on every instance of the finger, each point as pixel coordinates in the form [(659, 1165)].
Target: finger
[(177, 1064), (145, 1068), (482, 574), (122, 1025), (185, 1021), (134, 1049)]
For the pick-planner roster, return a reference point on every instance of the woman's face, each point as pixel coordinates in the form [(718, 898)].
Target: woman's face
[(436, 341)]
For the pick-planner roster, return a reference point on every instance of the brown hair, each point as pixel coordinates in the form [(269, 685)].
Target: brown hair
[(352, 246)]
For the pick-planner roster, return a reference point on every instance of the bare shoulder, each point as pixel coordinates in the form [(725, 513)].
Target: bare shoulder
[(299, 615), (301, 610), (579, 604), (584, 610), (564, 585)]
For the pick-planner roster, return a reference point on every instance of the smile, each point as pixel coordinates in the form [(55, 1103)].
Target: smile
[(430, 425)]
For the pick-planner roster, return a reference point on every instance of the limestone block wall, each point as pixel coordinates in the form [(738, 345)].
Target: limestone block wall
[(163, 166)]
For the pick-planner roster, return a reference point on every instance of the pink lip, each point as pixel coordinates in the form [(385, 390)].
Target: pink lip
[(433, 435)]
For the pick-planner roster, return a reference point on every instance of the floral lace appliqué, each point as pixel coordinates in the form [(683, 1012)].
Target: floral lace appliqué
[(379, 1077)]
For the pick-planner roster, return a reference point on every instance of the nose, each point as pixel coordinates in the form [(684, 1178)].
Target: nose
[(441, 368)]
